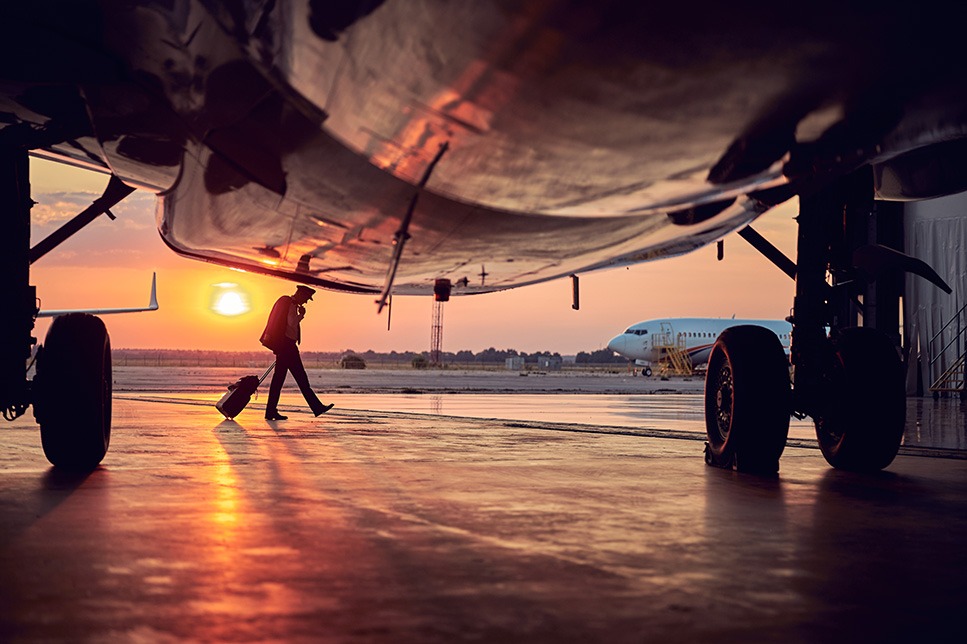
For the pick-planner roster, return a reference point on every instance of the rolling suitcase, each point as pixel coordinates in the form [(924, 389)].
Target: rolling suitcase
[(239, 393)]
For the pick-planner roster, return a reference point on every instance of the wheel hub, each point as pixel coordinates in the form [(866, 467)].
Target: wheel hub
[(723, 401)]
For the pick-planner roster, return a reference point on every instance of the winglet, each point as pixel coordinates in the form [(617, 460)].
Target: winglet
[(153, 302)]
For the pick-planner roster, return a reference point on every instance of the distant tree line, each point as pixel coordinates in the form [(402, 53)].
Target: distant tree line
[(489, 356)]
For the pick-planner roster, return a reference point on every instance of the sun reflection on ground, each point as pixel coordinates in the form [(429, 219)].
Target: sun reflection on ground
[(226, 502)]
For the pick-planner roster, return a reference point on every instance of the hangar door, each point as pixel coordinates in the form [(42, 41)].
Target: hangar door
[(936, 232)]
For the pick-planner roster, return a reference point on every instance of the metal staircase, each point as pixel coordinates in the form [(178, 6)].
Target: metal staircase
[(674, 359), (951, 381)]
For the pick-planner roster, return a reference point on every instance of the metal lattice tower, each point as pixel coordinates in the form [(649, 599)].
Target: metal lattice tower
[(436, 332)]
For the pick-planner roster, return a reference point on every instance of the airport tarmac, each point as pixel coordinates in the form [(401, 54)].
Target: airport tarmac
[(367, 526), (450, 381), (614, 399)]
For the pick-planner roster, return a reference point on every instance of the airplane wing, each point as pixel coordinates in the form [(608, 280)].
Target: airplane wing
[(377, 145), (152, 305)]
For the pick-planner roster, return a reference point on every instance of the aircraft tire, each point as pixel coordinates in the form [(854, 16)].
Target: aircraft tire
[(865, 418), (747, 400), (646, 372), (72, 392)]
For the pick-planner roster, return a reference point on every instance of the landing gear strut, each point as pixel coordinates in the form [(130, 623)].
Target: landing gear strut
[(851, 381), (17, 298)]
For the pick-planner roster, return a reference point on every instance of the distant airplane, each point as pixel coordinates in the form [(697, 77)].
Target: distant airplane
[(468, 147), (648, 342)]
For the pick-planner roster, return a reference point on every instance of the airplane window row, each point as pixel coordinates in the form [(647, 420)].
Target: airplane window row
[(690, 334)]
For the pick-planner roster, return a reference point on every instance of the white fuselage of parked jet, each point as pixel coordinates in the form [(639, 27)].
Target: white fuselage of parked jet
[(647, 342)]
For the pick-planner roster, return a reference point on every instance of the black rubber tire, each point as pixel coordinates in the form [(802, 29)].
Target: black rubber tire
[(646, 372), (866, 402), (747, 400), (72, 392)]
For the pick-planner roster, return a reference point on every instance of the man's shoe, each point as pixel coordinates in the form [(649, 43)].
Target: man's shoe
[(324, 409), (275, 416)]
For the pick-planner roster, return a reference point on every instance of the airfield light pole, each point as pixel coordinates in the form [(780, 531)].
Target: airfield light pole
[(436, 333), (441, 294)]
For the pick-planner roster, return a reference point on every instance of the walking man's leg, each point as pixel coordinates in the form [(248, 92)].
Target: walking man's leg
[(275, 387), (302, 379)]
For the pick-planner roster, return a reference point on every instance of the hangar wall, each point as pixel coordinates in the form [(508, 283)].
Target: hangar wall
[(936, 232)]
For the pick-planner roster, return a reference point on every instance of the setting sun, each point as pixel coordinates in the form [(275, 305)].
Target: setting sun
[(229, 299)]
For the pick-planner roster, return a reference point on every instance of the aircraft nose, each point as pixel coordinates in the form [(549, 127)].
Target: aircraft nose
[(618, 343)]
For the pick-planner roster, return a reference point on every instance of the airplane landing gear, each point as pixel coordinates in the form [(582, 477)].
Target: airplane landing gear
[(747, 400), (72, 392), (849, 380)]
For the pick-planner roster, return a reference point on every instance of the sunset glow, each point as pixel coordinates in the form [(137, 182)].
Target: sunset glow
[(229, 299)]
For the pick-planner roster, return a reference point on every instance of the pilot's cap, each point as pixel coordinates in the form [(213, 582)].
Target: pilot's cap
[(305, 290)]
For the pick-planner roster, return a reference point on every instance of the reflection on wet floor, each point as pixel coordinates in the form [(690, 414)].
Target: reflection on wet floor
[(680, 412), (936, 423), (930, 423), (940, 424)]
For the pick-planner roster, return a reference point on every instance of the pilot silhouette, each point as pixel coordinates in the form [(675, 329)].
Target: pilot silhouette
[(282, 336)]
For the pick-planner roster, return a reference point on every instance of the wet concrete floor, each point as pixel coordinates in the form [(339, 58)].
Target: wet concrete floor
[(931, 425), (370, 526)]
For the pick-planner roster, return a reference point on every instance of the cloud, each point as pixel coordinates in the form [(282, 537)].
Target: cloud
[(130, 240), (56, 209)]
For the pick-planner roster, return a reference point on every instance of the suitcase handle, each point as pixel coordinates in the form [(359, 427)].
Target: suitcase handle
[(267, 372)]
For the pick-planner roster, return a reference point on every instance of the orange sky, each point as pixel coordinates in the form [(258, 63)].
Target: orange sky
[(109, 264)]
